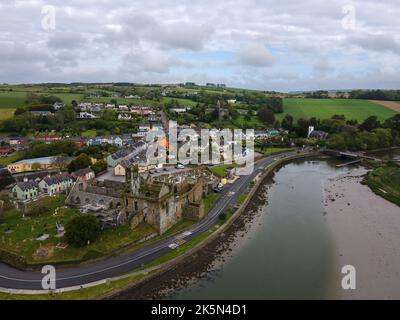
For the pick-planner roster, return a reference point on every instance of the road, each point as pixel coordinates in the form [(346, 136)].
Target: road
[(115, 266)]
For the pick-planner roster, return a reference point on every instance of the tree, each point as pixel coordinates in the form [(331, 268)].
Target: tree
[(266, 115), (19, 111), (81, 230), (336, 141), (82, 161), (287, 122), (302, 127), (370, 124), (36, 166), (384, 137), (393, 122), (99, 166), (109, 115)]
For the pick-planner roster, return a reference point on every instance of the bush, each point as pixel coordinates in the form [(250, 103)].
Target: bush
[(222, 216), (82, 229)]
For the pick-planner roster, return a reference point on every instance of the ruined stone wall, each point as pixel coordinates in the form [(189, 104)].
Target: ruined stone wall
[(194, 211), (136, 220)]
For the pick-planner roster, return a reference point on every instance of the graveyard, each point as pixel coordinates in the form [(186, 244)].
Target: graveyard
[(34, 234)]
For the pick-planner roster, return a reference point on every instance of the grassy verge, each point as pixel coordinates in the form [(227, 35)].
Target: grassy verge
[(385, 181), (209, 201), (269, 151), (83, 294), (221, 170), (5, 161)]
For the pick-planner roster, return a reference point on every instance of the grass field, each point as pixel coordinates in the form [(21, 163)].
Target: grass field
[(385, 181), (6, 113), (5, 161), (326, 108), (11, 100)]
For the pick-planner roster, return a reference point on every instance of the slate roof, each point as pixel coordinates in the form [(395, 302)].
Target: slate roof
[(83, 172), (27, 185), (57, 179)]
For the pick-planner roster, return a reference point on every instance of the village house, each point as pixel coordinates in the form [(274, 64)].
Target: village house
[(139, 160), (6, 150), (49, 138), (84, 106), (17, 142), (55, 184), (26, 190), (41, 113), (86, 115), (123, 116), (116, 158), (84, 174), (123, 108), (44, 163), (180, 110), (58, 105)]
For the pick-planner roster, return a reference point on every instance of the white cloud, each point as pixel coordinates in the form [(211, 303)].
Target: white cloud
[(302, 44), (256, 55)]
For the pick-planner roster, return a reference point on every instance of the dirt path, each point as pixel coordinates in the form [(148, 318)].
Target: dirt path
[(388, 104)]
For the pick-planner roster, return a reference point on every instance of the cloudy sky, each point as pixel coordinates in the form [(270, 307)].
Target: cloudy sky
[(283, 45)]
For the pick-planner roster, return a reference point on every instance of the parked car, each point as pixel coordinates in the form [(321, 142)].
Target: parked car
[(179, 166), (218, 190)]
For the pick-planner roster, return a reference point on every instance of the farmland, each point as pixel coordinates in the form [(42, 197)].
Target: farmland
[(326, 108)]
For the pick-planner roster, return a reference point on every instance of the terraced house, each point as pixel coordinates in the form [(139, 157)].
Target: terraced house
[(56, 184), (26, 190)]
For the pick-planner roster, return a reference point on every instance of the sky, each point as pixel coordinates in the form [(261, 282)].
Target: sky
[(282, 45)]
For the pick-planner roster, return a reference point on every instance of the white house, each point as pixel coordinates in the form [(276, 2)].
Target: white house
[(125, 116), (86, 115), (56, 184)]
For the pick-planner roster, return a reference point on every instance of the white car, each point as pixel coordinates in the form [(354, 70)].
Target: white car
[(173, 246)]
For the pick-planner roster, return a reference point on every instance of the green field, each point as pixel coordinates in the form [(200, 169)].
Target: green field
[(326, 108), (6, 113), (385, 181), (12, 99)]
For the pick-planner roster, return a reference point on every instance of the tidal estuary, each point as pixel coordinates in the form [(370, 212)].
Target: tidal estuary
[(317, 219)]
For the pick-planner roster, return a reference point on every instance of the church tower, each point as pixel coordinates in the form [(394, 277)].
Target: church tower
[(132, 179)]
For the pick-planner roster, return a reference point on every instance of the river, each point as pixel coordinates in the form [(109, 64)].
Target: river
[(292, 249)]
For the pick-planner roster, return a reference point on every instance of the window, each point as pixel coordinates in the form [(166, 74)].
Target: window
[(136, 206)]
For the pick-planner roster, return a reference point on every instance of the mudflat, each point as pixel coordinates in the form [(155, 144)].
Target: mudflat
[(366, 233)]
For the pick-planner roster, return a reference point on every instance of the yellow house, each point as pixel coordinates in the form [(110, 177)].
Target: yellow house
[(119, 169), (36, 164)]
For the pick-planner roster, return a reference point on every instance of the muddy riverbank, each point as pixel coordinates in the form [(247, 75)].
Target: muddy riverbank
[(366, 230)]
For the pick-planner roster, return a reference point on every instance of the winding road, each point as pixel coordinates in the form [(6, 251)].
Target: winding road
[(12, 278)]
